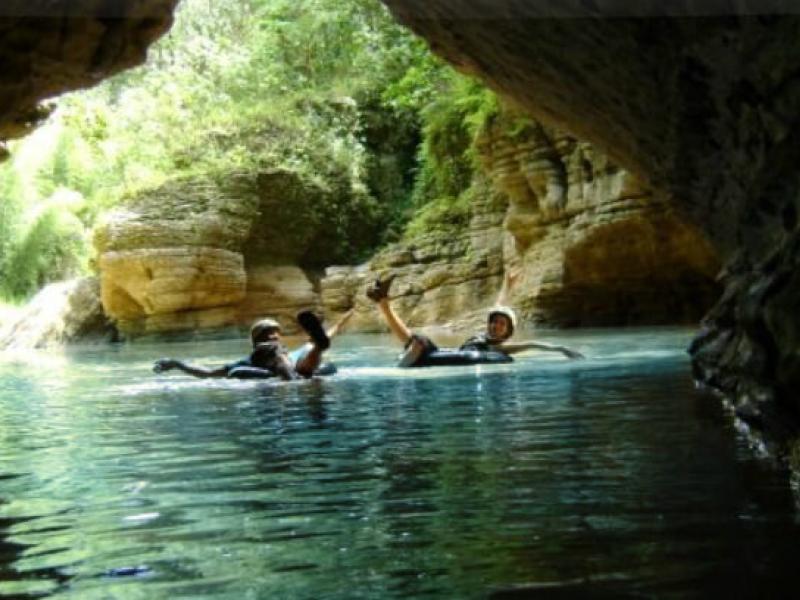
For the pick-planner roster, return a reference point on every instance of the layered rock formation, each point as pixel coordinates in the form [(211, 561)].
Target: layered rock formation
[(441, 277), (698, 100), (197, 254), (48, 48), (171, 258), (591, 243)]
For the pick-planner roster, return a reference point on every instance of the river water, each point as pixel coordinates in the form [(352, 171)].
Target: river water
[(607, 477)]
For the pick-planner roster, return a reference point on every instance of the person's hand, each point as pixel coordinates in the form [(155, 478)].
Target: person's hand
[(572, 354), (512, 275), (164, 364), (337, 327)]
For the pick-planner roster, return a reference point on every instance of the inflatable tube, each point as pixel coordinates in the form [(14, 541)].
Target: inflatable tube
[(454, 358), (258, 373)]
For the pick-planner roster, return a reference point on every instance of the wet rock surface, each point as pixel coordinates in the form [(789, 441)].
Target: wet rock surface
[(749, 343)]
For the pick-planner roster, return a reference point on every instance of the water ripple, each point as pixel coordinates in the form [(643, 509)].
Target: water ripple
[(378, 482)]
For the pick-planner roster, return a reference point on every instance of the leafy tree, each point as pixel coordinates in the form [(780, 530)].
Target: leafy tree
[(50, 248), (331, 90)]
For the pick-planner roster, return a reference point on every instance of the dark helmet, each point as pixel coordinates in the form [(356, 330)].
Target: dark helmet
[(506, 312), (262, 328)]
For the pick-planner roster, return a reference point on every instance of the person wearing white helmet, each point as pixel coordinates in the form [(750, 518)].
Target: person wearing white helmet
[(500, 324), (270, 357)]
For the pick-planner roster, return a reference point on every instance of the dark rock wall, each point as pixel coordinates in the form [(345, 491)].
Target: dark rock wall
[(701, 101), (48, 48)]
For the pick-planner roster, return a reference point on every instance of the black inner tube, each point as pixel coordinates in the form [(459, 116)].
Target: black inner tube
[(454, 358)]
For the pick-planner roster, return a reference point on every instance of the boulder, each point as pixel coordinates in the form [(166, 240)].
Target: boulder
[(60, 313)]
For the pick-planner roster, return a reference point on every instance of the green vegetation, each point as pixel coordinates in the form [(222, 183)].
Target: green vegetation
[(332, 91), (442, 191)]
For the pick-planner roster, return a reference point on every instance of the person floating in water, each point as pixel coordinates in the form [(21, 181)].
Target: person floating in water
[(269, 356), (493, 345)]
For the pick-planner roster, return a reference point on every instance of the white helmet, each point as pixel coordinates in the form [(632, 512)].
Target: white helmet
[(508, 313)]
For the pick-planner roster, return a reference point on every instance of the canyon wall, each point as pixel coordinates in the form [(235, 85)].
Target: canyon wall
[(699, 100), (592, 245)]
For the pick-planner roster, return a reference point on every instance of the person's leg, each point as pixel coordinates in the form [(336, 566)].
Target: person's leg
[(378, 292), (309, 357), (415, 346), (272, 357), (306, 359), (412, 353)]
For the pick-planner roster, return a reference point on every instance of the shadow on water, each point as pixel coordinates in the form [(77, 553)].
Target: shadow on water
[(11, 552)]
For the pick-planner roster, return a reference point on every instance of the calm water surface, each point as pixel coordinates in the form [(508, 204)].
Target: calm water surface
[(609, 477)]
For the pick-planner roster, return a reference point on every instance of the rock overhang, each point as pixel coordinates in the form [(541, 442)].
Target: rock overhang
[(688, 96), (699, 100), (49, 47)]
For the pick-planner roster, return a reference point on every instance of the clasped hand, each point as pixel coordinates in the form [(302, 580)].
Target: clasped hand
[(164, 364)]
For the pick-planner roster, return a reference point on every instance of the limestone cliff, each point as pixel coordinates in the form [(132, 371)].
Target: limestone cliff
[(592, 244), (200, 253)]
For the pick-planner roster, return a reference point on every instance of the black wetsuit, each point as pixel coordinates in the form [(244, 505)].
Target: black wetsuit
[(475, 350), (255, 367)]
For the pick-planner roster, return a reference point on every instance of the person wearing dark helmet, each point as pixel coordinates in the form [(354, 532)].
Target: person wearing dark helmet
[(269, 356), (420, 350)]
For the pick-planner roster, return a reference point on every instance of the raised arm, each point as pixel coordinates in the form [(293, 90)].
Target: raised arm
[(336, 328), (512, 274), (515, 347), (167, 364)]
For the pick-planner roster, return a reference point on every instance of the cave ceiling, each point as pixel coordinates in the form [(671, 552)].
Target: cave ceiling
[(48, 47), (700, 99)]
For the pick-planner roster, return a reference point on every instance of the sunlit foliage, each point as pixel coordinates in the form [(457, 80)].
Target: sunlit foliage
[(308, 85)]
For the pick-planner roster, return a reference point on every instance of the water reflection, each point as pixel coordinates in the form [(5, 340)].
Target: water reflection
[(605, 477)]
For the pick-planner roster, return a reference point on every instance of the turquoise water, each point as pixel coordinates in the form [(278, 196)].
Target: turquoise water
[(545, 478)]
